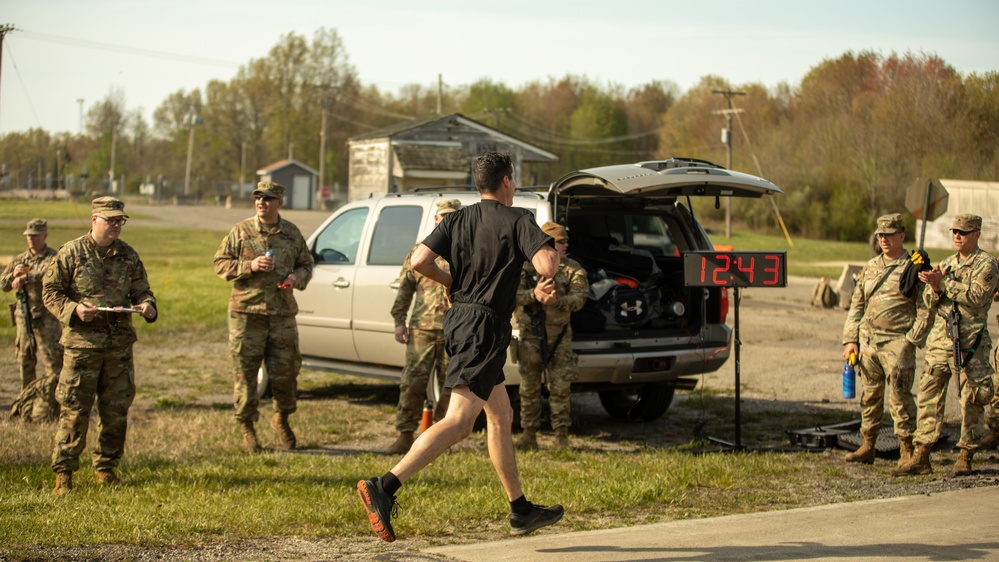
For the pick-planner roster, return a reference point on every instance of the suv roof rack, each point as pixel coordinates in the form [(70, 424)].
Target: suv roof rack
[(678, 162)]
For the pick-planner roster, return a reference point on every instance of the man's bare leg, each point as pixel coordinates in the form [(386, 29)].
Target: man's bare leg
[(457, 424), (499, 439)]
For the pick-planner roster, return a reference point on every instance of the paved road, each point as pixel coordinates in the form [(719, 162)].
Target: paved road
[(959, 525)]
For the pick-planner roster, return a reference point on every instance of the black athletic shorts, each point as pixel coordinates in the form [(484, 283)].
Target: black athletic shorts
[(476, 339)]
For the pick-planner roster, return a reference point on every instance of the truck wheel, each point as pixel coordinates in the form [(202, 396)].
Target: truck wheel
[(263, 383), (641, 404)]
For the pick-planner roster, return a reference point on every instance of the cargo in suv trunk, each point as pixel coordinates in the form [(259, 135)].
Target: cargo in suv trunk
[(629, 227)]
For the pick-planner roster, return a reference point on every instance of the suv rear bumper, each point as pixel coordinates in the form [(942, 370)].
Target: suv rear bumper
[(657, 359)]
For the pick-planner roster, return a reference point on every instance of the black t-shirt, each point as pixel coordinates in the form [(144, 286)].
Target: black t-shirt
[(486, 245)]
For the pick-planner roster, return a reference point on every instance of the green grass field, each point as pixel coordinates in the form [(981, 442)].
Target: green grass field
[(187, 482)]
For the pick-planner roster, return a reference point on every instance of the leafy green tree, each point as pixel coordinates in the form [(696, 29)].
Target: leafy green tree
[(599, 130), (645, 108)]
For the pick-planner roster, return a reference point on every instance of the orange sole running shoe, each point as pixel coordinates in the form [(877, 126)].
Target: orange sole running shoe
[(380, 507)]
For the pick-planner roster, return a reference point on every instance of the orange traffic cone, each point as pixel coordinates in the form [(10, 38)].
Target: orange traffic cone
[(428, 416)]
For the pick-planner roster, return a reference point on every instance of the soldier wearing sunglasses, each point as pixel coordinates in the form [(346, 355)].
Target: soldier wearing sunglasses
[(959, 291)]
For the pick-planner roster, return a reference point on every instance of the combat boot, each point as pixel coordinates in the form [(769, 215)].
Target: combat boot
[(63, 484), (106, 478), (865, 454), (562, 437), (250, 442), (991, 441), (528, 440), (402, 444), (963, 465), (919, 463), (279, 423), (904, 450)]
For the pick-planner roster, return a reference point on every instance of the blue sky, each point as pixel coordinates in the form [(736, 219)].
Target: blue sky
[(65, 50)]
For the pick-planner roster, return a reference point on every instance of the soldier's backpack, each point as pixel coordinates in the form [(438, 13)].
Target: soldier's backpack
[(37, 403), (823, 296)]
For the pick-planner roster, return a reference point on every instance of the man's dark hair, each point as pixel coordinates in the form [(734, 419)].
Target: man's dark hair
[(490, 168)]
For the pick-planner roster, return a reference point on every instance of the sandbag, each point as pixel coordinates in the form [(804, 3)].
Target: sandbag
[(823, 296)]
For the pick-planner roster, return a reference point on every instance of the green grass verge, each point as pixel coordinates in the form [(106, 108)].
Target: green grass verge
[(186, 481)]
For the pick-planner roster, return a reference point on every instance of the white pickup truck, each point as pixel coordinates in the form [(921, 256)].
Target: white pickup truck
[(628, 227)]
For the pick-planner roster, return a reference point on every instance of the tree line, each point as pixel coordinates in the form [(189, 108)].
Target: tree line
[(844, 144)]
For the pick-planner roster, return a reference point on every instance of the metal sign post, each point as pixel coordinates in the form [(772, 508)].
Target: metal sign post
[(735, 270)]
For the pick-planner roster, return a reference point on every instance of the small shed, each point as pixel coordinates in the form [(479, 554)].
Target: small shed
[(298, 179), (428, 152), (976, 197)]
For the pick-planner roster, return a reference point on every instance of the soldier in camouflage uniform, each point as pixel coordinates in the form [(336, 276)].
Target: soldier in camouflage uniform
[(883, 328), (965, 283), (262, 308), (554, 364), (89, 275), (992, 440), (424, 341), (25, 273)]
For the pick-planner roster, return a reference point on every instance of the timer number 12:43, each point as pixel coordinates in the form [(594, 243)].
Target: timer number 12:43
[(724, 266)]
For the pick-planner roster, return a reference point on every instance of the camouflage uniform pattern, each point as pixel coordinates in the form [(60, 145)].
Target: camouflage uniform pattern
[(425, 349), (45, 327), (97, 362), (993, 419), (571, 289), (262, 327), (887, 326), (971, 287)]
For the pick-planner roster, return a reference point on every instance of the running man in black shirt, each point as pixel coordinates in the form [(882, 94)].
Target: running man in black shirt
[(485, 244)]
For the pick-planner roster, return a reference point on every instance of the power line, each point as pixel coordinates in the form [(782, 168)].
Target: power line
[(4, 30), (24, 88), (128, 50), (555, 138)]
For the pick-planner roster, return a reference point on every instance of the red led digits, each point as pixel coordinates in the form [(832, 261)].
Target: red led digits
[(724, 269), (747, 270), (775, 270), (735, 269)]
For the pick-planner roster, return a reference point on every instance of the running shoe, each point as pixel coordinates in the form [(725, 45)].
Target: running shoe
[(540, 516), (380, 507)]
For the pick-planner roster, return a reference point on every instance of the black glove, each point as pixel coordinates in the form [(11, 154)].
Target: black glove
[(909, 282)]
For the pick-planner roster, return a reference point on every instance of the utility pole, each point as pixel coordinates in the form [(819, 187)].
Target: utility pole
[(80, 102), (4, 30), (322, 146), (727, 140), (191, 119), (114, 143), (242, 168), (440, 94)]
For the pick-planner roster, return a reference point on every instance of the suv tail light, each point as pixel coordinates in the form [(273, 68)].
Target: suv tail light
[(723, 309)]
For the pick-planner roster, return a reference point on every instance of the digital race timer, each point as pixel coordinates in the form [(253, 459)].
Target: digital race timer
[(735, 269)]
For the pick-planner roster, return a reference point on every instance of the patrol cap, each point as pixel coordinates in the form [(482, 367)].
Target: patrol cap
[(269, 189), (556, 231), (967, 222), (36, 226), (448, 206), (108, 207), (890, 224)]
